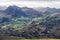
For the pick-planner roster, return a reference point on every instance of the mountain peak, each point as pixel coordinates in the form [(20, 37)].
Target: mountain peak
[(15, 11)]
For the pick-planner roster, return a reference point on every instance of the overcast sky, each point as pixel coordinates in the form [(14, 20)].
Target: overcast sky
[(30, 0), (31, 3)]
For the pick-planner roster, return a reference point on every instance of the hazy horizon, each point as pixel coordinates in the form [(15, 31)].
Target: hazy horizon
[(31, 3)]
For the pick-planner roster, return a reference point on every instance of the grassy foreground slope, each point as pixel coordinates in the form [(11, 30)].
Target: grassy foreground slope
[(41, 27)]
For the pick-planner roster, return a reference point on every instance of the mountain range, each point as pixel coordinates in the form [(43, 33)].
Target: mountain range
[(15, 11), (28, 22), (18, 12)]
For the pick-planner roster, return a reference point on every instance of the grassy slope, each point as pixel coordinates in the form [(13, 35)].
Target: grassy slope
[(27, 39)]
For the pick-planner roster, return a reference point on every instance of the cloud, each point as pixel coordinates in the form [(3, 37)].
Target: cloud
[(33, 4), (21, 3), (25, 0), (29, 0), (34, 0)]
